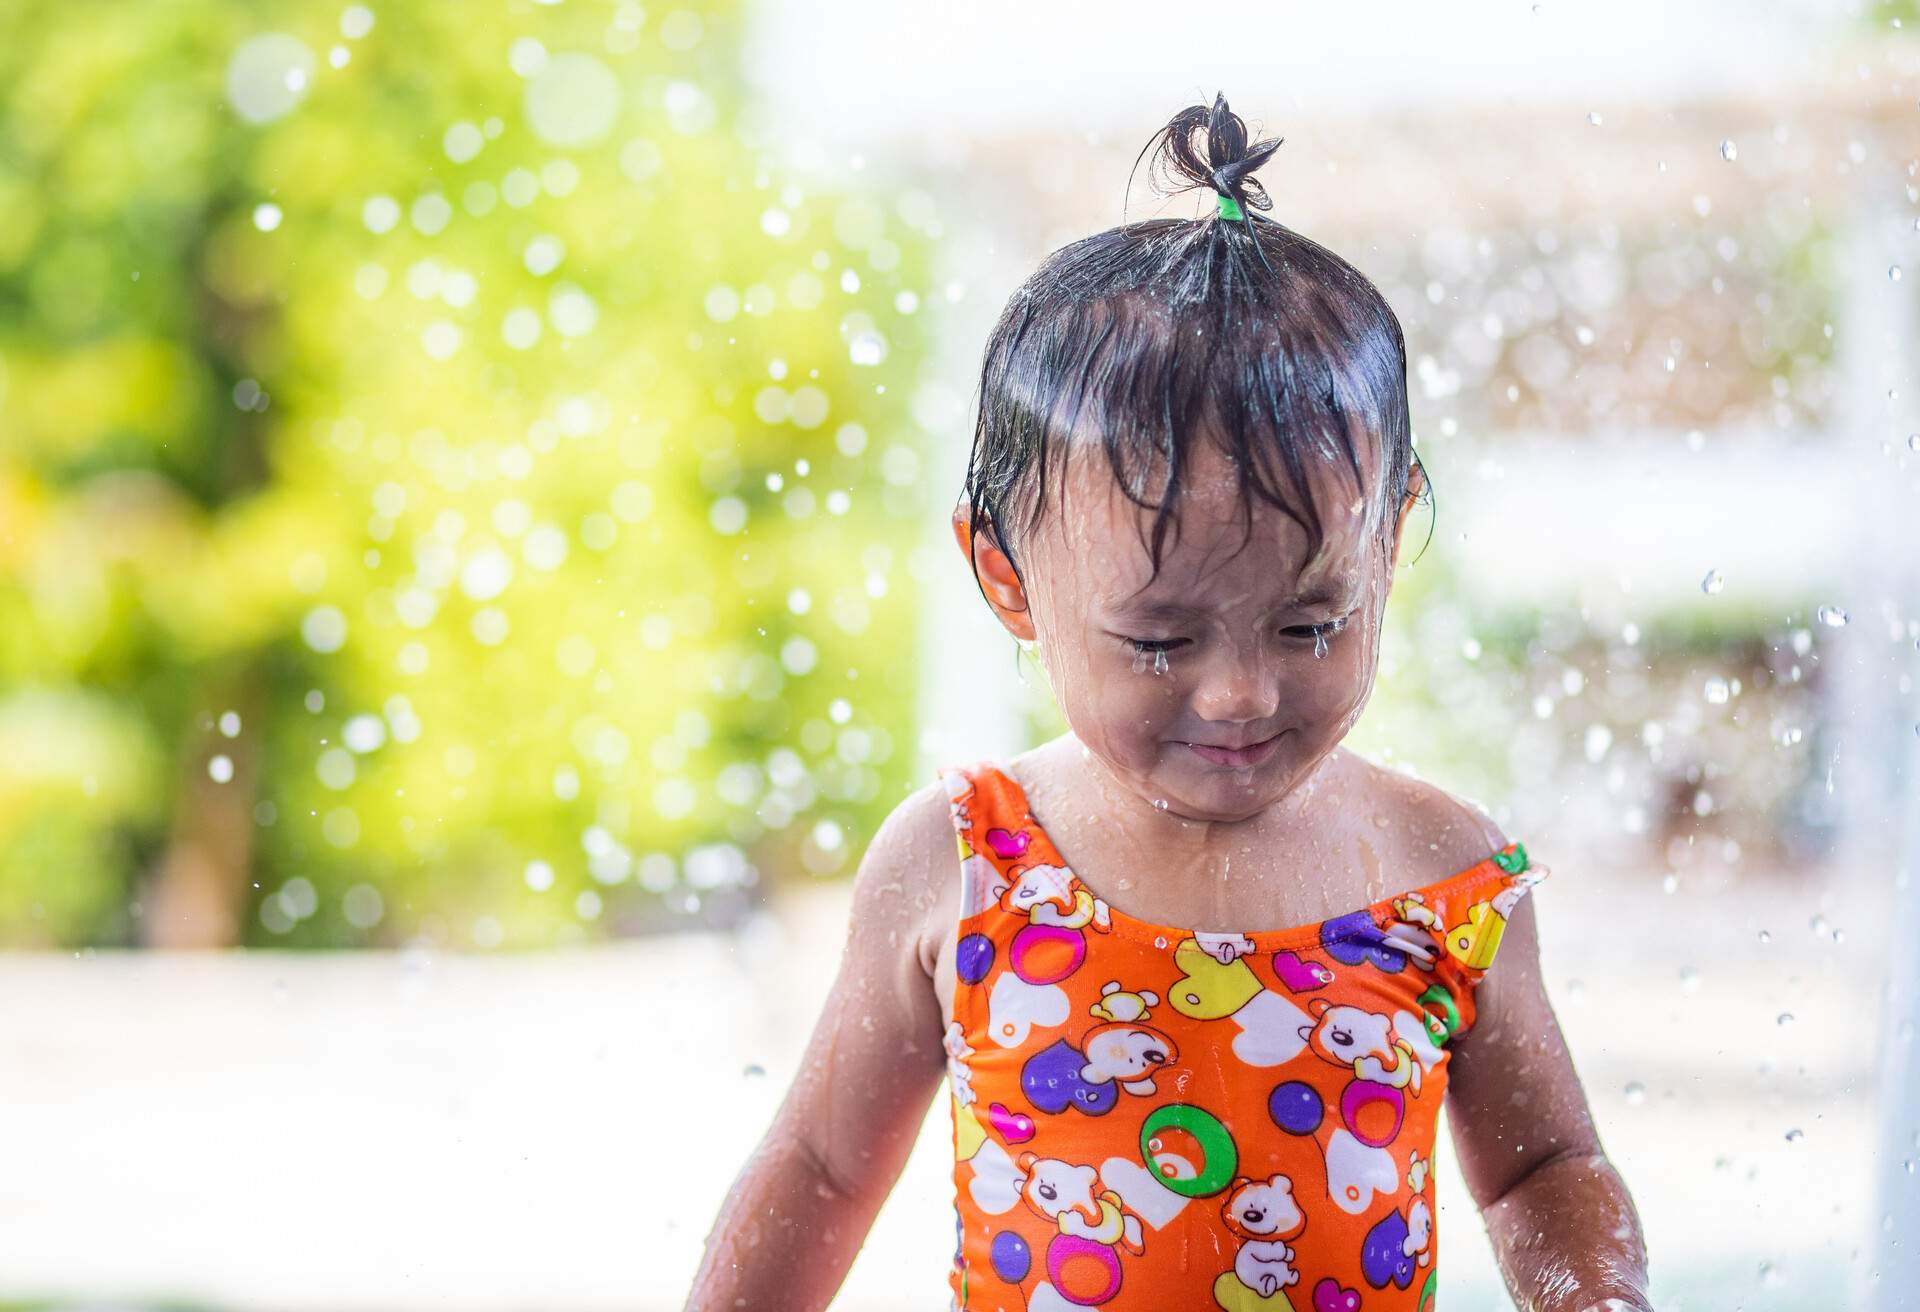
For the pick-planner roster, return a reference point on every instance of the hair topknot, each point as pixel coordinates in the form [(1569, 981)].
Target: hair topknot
[(1228, 165)]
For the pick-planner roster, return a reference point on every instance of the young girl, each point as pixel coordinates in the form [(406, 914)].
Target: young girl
[(1201, 977)]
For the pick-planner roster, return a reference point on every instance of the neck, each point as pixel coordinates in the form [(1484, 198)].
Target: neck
[(1127, 808)]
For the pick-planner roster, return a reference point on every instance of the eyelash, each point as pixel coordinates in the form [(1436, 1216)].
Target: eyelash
[(1147, 646)]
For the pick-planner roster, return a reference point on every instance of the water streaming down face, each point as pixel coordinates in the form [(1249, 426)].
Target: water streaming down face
[(1242, 637)]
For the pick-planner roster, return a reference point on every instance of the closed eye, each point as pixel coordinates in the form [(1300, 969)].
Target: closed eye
[(1327, 630), (1304, 632)]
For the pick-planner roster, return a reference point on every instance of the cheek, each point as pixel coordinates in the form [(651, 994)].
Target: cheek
[(1138, 701), (1342, 681), (1106, 697)]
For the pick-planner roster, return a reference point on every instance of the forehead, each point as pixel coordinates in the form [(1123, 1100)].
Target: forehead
[(1211, 547)]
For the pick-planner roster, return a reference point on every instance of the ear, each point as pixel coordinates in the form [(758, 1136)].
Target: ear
[(1416, 484), (995, 572)]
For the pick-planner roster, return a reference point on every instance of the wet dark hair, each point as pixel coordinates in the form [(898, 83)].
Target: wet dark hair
[(1149, 332)]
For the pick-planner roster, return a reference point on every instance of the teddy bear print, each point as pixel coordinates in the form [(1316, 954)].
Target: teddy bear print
[(1263, 1215), (1363, 1041), (958, 1050), (1119, 1005), (1052, 895), (1128, 1054), (1073, 1198)]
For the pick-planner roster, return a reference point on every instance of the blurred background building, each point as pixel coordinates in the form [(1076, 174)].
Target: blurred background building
[(473, 494)]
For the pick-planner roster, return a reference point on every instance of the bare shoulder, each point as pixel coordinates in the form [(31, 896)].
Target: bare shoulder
[(1452, 832), (906, 872)]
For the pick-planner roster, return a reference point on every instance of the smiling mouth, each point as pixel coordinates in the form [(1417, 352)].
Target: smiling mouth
[(1240, 757)]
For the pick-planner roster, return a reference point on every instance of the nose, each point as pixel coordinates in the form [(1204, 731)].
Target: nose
[(1239, 685)]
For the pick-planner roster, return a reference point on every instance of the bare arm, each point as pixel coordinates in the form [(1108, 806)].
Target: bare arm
[(1563, 1226), (802, 1205)]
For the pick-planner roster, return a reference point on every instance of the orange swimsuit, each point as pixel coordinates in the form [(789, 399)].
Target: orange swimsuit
[(1149, 1119)]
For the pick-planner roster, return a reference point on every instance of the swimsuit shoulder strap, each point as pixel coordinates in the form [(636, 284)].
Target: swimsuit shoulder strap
[(988, 822)]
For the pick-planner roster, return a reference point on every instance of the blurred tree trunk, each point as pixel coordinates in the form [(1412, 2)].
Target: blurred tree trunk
[(198, 892)]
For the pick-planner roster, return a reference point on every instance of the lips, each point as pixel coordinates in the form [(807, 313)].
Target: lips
[(1239, 757)]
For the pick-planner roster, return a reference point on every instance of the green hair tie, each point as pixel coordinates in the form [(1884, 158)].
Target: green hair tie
[(1230, 208)]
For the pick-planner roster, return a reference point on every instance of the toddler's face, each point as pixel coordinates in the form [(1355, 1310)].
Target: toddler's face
[(1219, 651)]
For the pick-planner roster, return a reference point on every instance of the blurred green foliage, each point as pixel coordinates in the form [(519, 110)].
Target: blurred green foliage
[(454, 480)]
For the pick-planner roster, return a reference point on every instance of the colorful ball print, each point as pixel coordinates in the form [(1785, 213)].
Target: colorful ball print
[(1188, 1149), (1372, 1111), (1047, 954), (973, 958), (1084, 1272), (1442, 1024), (1296, 1107), (1012, 1259)]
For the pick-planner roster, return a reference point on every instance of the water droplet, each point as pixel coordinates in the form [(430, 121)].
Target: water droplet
[(1636, 1093), (1729, 151), (1785, 1018), (1832, 616), (1140, 665), (1913, 441), (1689, 979), (1159, 803), (1765, 937), (1593, 117), (1713, 582), (1794, 1135), (1893, 273), (1319, 643), (1716, 690), (754, 1068), (1598, 739)]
